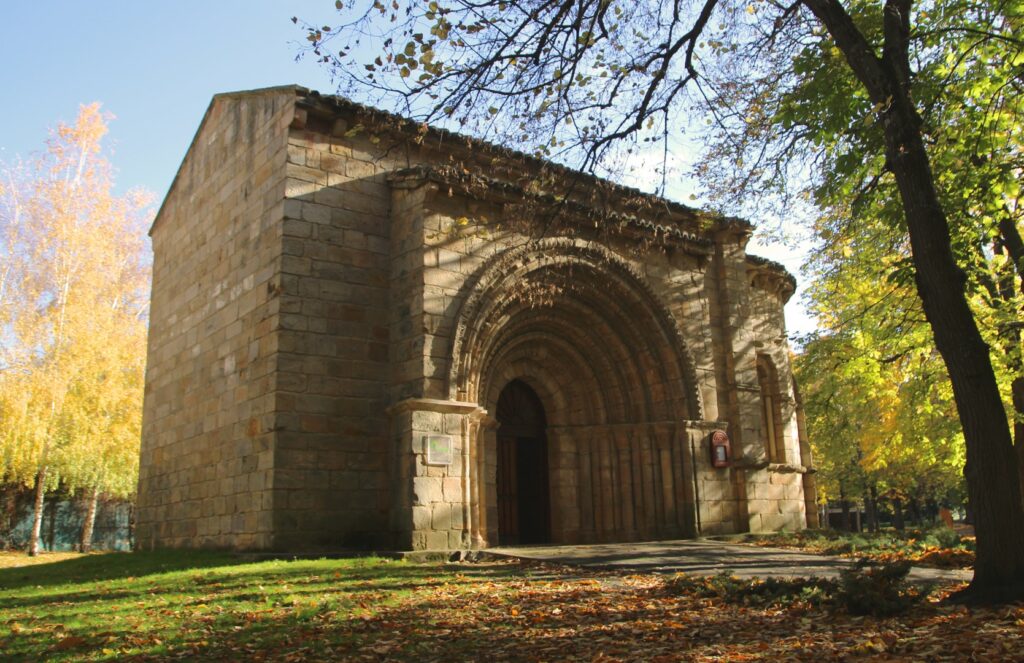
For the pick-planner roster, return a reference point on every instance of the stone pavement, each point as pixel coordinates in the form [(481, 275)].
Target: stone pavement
[(706, 557)]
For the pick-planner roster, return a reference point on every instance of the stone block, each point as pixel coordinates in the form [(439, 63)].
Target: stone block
[(452, 489), (421, 517), (296, 296), (426, 490), (441, 517), (436, 540)]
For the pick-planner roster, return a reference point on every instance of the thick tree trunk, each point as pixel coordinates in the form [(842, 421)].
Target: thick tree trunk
[(1012, 242), (1017, 392), (844, 504), (37, 513), (869, 513), (993, 479), (897, 514), (92, 500)]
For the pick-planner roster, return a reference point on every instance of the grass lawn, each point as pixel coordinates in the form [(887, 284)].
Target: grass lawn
[(210, 606)]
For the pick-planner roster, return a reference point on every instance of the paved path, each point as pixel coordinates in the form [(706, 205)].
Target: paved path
[(705, 557)]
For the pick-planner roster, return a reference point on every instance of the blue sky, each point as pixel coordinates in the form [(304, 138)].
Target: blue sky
[(155, 66)]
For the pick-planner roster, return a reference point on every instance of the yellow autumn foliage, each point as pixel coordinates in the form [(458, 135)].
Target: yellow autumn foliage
[(73, 295)]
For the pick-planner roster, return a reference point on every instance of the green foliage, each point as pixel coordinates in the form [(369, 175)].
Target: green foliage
[(876, 353), (769, 592), (943, 537), (939, 547), (880, 590), (879, 406)]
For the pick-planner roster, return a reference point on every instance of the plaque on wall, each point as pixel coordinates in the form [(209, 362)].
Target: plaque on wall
[(439, 449)]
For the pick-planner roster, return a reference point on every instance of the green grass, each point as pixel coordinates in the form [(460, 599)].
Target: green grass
[(206, 604)]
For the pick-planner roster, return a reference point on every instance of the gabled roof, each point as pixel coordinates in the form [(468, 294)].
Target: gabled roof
[(327, 104), (298, 90)]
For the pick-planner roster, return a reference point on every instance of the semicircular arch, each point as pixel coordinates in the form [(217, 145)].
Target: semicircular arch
[(614, 290)]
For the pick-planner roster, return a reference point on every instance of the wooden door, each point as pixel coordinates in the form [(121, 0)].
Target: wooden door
[(524, 507), (508, 492)]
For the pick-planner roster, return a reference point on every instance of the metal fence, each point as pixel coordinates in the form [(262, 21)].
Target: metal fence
[(63, 519)]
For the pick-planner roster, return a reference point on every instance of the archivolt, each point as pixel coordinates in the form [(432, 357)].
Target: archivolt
[(610, 304)]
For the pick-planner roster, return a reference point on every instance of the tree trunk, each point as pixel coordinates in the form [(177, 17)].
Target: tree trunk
[(37, 513), (872, 505), (92, 499), (869, 513), (10, 493), (844, 504), (993, 478), (897, 514), (1017, 392), (1013, 243), (915, 511)]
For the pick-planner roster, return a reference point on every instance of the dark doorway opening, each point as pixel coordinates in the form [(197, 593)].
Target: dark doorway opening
[(524, 506)]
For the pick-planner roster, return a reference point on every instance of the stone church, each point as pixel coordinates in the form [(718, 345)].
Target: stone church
[(367, 333)]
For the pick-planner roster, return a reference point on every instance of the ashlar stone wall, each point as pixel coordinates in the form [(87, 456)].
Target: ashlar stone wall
[(328, 294), (206, 471)]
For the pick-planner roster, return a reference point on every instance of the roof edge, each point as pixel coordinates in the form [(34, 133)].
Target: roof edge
[(777, 267), (313, 98), (298, 90)]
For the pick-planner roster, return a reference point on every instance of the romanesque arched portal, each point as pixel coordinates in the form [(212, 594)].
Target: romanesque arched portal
[(574, 324)]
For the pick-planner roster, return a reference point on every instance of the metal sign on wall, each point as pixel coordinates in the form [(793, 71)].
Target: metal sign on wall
[(439, 449)]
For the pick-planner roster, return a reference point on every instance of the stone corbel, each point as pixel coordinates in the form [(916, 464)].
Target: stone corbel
[(435, 405), (789, 468), (749, 464)]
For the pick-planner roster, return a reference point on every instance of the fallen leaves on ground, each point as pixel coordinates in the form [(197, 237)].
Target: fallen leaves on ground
[(881, 548), (377, 610)]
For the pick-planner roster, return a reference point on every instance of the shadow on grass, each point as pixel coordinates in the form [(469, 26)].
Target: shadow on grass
[(111, 566), (515, 621), (168, 617)]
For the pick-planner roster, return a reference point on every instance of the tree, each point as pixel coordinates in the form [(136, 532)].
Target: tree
[(74, 295), (587, 76), (881, 418)]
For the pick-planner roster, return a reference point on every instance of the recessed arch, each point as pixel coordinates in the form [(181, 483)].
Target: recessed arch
[(607, 359), (605, 283)]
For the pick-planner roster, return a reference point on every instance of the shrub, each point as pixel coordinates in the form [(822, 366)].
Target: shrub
[(867, 588), (755, 591), (942, 537), (880, 590)]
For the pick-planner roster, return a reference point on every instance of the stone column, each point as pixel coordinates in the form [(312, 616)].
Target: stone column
[(481, 428), (434, 501), (743, 396)]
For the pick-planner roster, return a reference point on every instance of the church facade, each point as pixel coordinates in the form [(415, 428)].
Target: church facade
[(371, 334)]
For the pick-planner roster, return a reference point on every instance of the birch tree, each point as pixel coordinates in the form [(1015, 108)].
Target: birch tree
[(75, 287)]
